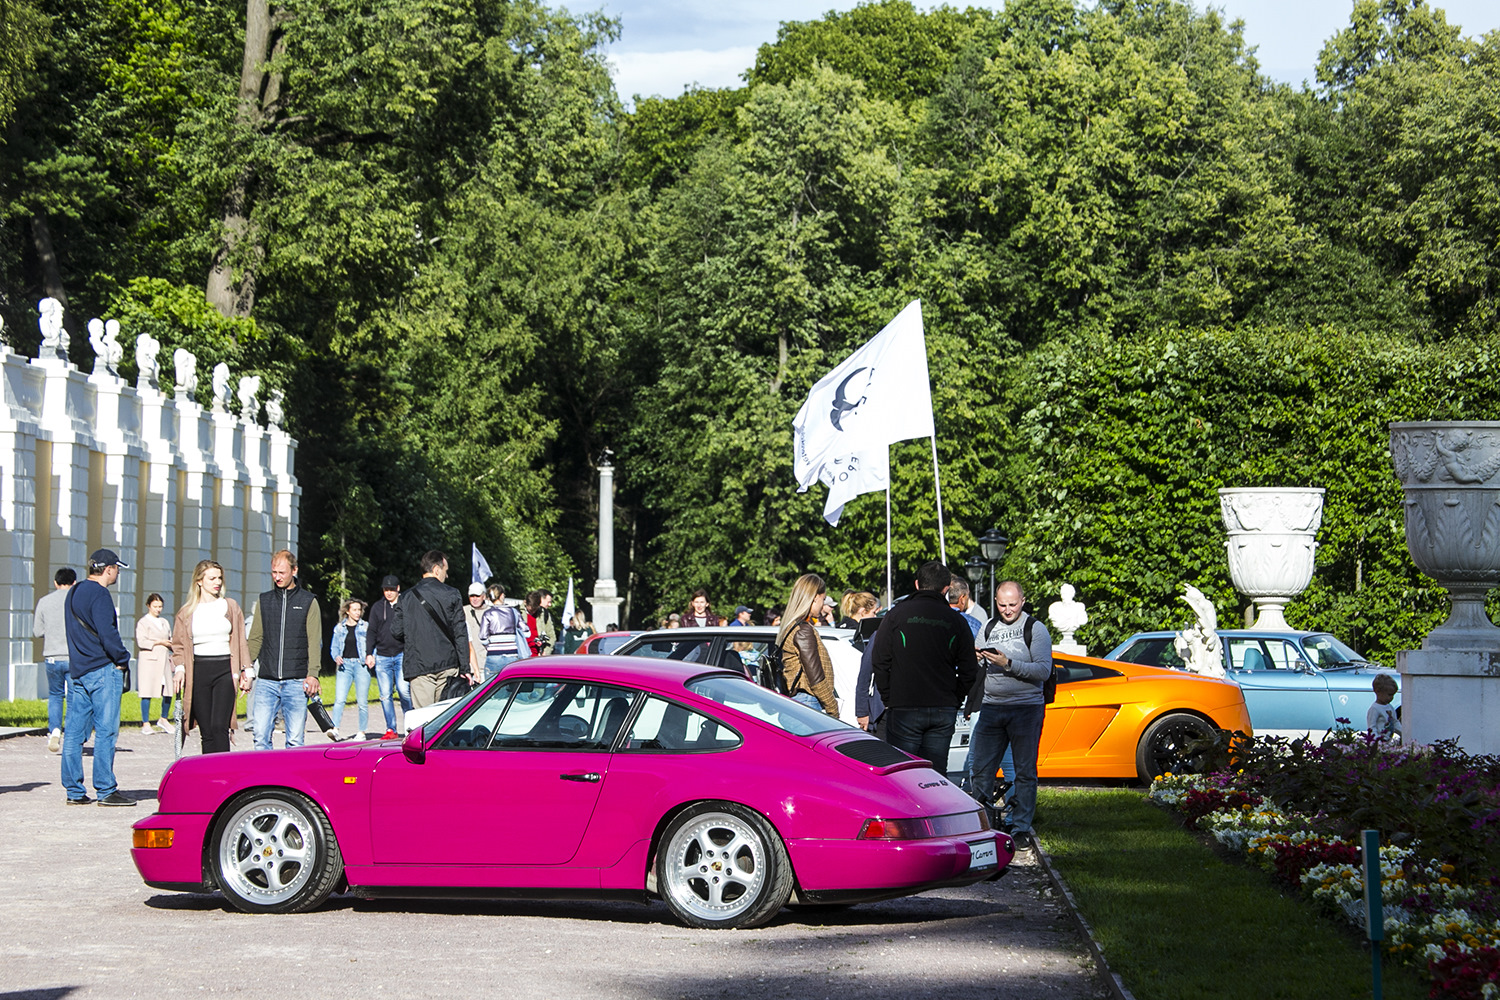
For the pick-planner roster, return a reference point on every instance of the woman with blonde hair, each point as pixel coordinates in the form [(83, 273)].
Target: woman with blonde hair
[(210, 651), (804, 659)]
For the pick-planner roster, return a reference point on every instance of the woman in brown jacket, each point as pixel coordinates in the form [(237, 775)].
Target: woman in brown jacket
[(210, 651), (804, 660)]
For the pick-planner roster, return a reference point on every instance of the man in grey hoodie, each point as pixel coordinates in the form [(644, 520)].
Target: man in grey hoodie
[(50, 624), (1016, 653)]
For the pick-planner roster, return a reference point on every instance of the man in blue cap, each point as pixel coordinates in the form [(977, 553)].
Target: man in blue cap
[(97, 660)]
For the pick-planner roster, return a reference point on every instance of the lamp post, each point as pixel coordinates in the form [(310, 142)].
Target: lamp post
[(992, 546)]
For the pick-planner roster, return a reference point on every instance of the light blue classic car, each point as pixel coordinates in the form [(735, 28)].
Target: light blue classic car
[(1295, 683)]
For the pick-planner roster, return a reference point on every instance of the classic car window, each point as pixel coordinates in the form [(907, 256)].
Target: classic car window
[(673, 649), (746, 696), (570, 715), (1284, 655), (743, 657), (475, 730), (663, 726), (1325, 651), (1246, 654), (1152, 653)]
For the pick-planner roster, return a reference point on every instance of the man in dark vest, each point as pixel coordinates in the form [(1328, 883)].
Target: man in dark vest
[(287, 638)]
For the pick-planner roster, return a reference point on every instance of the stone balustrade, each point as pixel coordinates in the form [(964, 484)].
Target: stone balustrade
[(89, 462)]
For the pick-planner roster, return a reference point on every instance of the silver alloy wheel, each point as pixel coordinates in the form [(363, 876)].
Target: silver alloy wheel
[(715, 866), (266, 851)]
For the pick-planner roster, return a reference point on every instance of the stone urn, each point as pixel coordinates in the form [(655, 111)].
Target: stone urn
[(1271, 546), (1450, 475)]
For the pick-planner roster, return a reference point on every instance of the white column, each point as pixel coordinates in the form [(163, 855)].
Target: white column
[(605, 602), (117, 434), (259, 512), (157, 543), (229, 516), (195, 493), (20, 415)]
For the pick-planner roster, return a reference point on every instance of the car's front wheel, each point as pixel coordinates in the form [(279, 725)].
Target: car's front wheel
[(722, 865), (274, 852), (1164, 745)]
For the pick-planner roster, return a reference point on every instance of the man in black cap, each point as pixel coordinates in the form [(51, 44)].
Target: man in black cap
[(741, 616), (386, 654), (97, 659)]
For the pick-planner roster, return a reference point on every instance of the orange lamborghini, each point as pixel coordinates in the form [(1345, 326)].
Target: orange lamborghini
[(1123, 720)]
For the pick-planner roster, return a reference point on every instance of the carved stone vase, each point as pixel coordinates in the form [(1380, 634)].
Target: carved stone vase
[(1450, 475), (1271, 545)]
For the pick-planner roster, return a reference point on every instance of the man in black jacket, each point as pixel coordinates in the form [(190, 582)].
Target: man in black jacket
[(924, 666), (430, 620)]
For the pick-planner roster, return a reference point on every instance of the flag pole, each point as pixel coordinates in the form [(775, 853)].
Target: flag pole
[(890, 594), (938, 482)]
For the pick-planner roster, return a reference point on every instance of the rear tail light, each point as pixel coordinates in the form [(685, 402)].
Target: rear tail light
[(925, 827), (153, 838)]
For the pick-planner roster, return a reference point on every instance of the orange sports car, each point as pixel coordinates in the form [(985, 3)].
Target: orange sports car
[(1122, 720)]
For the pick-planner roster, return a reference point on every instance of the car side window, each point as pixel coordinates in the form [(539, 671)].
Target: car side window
[(1071, 673), (662, 726), (673, 649), (743, 657), (1283, 654), (568, 715), (1152, 653), (474, 732)]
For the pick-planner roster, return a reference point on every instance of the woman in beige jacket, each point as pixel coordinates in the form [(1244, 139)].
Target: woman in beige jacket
[(153, 636), (804, 659), (211, 654)]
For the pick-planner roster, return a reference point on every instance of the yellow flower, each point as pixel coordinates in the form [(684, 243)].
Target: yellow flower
[(1446, 869)]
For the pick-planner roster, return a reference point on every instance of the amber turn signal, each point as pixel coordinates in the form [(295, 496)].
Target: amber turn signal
[(153, 838)]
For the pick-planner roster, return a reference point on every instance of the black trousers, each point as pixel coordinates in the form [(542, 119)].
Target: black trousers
[(213, 701)]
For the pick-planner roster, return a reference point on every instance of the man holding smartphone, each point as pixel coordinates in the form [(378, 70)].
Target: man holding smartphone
[(1015, 652)]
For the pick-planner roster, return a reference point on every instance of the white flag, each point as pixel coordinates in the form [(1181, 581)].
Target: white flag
[(878, 395), (481, 567), (568, 604)]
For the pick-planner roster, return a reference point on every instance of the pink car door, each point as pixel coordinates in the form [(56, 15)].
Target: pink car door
[(514, 782)]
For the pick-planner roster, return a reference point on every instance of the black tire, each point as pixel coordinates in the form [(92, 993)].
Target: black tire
[(721, 865), (1163, 746), (273, 851)]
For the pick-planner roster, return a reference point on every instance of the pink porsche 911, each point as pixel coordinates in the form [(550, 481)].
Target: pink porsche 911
[(570, 777)]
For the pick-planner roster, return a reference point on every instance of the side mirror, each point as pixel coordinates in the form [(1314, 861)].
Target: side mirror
[(412, 748)]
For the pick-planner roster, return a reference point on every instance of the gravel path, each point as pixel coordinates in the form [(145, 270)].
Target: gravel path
[(79, 923)]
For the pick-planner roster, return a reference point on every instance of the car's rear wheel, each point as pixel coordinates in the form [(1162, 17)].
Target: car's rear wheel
[(1164, 745), (722, 865), (274, 852)]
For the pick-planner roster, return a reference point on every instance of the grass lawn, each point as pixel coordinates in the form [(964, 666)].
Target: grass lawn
[(34, 712), (1176, 922)]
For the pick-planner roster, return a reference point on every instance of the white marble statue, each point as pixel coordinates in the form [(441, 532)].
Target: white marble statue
[(1199, 644), (249, 405), (148, 363), (1067, 615), (4, 347), (221, 398), (186, 364), (275, 409), (104, 338), (54, 335)]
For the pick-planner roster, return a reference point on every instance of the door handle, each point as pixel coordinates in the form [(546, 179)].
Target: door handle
[(592, 776)]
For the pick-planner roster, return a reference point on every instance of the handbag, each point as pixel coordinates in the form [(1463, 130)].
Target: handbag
[(456, 687), (319, 712)]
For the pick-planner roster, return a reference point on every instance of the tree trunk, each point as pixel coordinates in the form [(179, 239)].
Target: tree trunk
[(260, 92), (46, 255)]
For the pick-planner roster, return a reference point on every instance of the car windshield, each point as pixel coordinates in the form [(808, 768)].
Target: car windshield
[(744, 695), (1327, 652)]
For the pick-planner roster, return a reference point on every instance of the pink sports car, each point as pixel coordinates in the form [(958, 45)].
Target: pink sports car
[(578, 776)]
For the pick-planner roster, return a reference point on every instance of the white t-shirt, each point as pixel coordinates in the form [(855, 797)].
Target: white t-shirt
[(1381, 720), (211, 628)]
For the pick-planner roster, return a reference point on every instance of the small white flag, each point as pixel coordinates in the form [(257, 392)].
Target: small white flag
[(482, 572), (879, 395), (568, 604)]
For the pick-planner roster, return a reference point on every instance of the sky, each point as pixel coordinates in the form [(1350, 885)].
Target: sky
[(667, 45)]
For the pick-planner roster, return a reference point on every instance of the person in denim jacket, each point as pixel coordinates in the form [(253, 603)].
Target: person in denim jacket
[(348, 649)]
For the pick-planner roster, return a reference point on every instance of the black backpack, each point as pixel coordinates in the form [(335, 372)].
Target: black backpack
[(771, 674), (1049, 686)]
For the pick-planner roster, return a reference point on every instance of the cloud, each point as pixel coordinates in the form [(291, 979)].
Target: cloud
[(667, 74)]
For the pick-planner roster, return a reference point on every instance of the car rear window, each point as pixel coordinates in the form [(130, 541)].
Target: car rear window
[(744, 695)]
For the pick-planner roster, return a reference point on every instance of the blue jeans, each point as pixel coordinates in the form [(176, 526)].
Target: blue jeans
[(1018, 727), (57, 691), (496, 662), (353, 671), (285, 698), (922, 732), (388, 677), (93, 705)]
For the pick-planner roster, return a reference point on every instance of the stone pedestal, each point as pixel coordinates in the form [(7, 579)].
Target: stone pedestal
[(604, 605), (1451, 694)]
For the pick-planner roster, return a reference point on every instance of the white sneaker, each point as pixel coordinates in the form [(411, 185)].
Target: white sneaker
[(358, 737), (54, 741), (146, 728), (333, 734), (165, 727)]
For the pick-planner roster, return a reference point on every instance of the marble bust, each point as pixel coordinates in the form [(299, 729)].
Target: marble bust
[(186, 365), (249, 405), (54, 335), (147, 352), (221, 398), (1067, 615), (104, 338)]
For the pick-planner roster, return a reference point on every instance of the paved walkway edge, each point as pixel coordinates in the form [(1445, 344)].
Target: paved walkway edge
[(6, 732), (1117, 988)]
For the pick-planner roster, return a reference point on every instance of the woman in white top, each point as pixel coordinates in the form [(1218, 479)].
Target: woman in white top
[(153, 635), (210, 651)]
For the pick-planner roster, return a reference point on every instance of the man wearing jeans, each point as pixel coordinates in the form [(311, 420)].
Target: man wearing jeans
[(1017, 652), (97, 658), (50, 624), (924, 666), (287, 638), (386, 653)]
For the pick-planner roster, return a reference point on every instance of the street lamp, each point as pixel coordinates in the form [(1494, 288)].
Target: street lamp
[(992, 545), (974, 569)]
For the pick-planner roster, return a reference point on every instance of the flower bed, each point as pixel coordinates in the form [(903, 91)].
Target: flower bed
[(1296, 808)]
